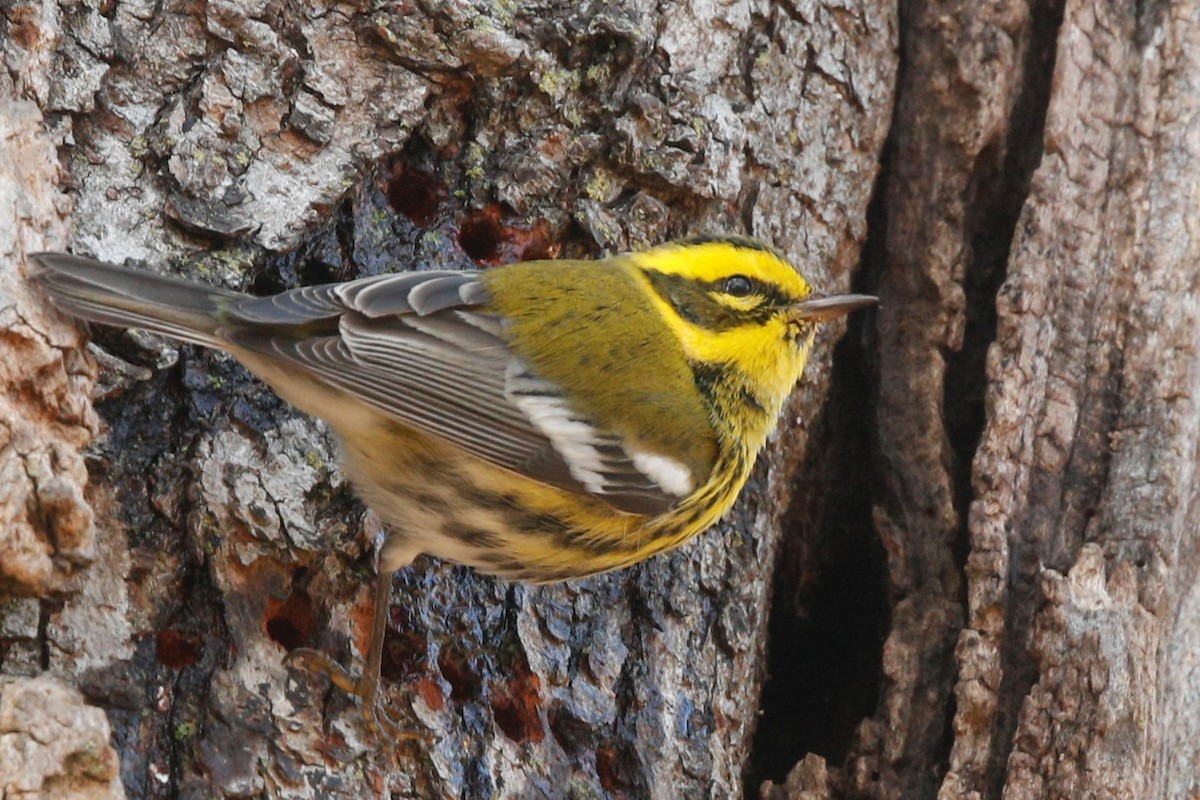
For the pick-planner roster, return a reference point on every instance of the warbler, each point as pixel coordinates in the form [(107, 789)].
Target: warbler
[(540, 421)]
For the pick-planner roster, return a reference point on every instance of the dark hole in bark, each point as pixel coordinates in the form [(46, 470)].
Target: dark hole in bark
[(481, 235), (463, 676), (515, 708), (291, 622), (404, 655), (414, 193), (823, 668)]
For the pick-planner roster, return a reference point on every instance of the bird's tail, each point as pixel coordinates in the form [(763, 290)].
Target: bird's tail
[(112, 295)]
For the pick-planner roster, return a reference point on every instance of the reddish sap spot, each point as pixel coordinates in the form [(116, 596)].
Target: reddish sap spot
[(431, 693), (362, 616), (332, 746), (531, 244), (719, 719), (176, 649), (488, 240), (607, 769)]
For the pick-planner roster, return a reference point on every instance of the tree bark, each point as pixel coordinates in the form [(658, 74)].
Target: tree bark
[(1036, 259), (971, 572), (262, 145)]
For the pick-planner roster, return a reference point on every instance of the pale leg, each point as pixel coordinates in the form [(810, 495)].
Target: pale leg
[(366, 685)]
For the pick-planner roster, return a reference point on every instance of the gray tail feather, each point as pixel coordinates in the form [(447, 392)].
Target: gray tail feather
[(112, 295)]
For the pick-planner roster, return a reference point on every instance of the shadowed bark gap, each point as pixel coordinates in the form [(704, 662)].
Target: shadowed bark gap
[(829, 615), (456, 667), (999, 189)]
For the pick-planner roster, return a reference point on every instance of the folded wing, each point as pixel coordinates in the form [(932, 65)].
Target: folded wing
[(423, 348)]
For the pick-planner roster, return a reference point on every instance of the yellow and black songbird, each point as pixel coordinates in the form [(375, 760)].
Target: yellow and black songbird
[(541, 421)]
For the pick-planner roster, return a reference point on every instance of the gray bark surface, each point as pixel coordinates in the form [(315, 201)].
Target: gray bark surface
[(261, 145)]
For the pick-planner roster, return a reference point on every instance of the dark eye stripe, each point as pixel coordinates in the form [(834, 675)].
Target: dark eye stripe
[(700, 303), (693, 301)]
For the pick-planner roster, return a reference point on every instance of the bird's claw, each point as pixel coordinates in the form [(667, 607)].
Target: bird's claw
[(375, 706), (315, 661)]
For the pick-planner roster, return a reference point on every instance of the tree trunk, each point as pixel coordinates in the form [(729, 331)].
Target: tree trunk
[(263, 145), (1032, 244), (982, 544)]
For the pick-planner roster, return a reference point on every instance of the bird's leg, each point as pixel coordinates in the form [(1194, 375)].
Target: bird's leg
[(366, 685)]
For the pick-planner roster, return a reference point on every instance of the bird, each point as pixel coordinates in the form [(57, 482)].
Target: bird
[(541, 421)]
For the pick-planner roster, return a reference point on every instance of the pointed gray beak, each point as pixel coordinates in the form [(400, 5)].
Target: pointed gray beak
[(821, 309)]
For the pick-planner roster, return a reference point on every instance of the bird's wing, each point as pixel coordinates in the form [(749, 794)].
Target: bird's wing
[(422, 348)]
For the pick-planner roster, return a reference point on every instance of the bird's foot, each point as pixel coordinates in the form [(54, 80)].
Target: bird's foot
[(375, 707)]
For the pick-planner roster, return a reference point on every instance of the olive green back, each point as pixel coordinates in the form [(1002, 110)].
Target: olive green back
[(555, 311)]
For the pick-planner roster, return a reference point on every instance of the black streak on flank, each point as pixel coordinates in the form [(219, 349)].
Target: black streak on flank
[(475, 537), (721, 383), (750, 400), (540, 524), (709, 377)]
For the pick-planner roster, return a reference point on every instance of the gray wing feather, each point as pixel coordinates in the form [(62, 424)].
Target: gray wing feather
[(377, 296), (437, 294), (412, 292)]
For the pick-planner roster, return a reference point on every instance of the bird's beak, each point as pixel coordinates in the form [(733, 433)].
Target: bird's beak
[(821, 309)]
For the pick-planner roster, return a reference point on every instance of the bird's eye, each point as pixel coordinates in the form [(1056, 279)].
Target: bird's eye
[(737, 286)]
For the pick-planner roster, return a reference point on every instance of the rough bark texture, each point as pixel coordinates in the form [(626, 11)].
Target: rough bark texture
[(263, 144), (1037, 413), (46, 527), (1085, 478), (53, 744), (987, 580)]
